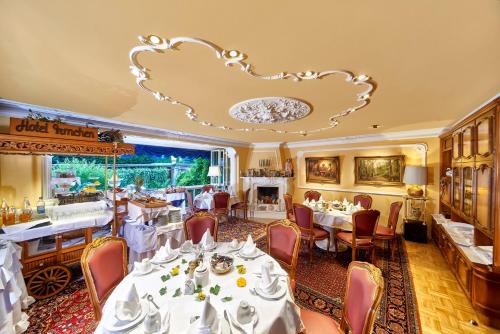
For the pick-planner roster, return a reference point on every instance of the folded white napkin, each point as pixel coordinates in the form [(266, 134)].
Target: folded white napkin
[(165, 252), (207, 240), (307, 200), (127, 306), (321, 198), (187, 246), (208, 321), (142, 266), (249, 247), (313, 201), (359, 206), (345, 202), (268, 285)]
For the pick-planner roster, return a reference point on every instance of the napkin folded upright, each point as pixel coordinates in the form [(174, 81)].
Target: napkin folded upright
[(127, 307), (208, 321), (207, 240), (321, 198), (345, 202), (187, 246), (249, 247), (359, 206), (269, 285), (165, 252), (142, 266)]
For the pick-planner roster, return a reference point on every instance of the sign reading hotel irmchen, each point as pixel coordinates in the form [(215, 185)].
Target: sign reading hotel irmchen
[(51, 129)]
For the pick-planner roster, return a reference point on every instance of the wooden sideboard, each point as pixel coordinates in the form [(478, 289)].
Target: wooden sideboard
[(468, 193)]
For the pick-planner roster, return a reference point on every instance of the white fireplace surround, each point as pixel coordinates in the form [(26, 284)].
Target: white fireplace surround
[(284, 185)]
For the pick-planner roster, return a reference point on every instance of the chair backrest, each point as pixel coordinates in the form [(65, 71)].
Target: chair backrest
[(120, 211), (221, 200), (394, 215), (189, 199), (303, 217), (312, 195), (283, 243), (207, 188), (365, 200), (246, 196), (104, 265), (196, 225), (288, 205), (365, 286), (364, 223)]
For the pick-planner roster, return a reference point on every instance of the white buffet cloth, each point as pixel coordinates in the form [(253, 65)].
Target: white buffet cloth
[(13, 294), (275, 316), (136, 212), (204, 201)]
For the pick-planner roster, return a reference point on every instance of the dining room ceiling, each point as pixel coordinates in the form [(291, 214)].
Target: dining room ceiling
[(430, 62)]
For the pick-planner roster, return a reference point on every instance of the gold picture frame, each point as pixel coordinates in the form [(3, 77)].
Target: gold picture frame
[(379, 170), (323, 170)]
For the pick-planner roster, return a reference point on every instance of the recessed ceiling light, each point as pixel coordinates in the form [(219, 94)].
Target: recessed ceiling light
[(309, 73), (154, 39), (375, 126), (362, 77), (233, 53)]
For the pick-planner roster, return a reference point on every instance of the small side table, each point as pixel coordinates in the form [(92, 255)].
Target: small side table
[(415, 230), (415, 227)]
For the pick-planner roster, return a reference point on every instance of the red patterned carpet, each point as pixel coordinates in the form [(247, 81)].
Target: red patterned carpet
[(323, 291)]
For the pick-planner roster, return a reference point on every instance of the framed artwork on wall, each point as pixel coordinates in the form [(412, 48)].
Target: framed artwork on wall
[(382, 170), (323, 170)]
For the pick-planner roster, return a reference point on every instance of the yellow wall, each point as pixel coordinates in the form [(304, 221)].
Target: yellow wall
[(20, 175)]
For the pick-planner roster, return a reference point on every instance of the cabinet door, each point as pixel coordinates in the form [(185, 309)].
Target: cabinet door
[(467, 193), (467, 142), (456, 188), (484, 136), (457, 145), (484, 195)]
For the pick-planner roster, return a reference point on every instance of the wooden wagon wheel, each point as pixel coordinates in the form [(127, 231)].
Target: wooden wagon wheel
[(48, 281)]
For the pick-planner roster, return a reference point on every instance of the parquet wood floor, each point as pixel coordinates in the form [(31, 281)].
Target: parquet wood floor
[(442, 305)]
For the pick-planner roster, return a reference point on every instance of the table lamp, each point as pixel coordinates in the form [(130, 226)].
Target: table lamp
[(414, 177), (213, 171)]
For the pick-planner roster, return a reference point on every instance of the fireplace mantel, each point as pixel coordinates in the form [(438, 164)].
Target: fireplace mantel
[(284, 185)]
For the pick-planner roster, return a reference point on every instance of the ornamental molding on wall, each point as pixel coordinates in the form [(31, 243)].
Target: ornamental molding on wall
[(156, 44), (270, 110)]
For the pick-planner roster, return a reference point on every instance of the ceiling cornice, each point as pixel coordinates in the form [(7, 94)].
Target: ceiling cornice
[(11, 108), (472, 112), (401, 135), (271, 144)]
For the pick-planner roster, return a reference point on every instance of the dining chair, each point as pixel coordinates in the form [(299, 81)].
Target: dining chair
[(207, 188), (312, 195), (365, 286), (241, 206), (283, 243), (189, 200), (221, 204), (196, 225), (305, 221), (289, 206), (389, 232), (364, 225), (104, 265), (120, 211), (365, 200)]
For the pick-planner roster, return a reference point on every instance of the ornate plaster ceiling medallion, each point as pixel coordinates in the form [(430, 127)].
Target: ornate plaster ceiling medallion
[(153, 43), (270, 110)]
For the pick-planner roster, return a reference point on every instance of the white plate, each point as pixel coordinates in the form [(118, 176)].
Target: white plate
[(120, 328), (165, 324), (257, 253), (190, 250), (231, 249), (194, 330), (234, 320), (139, 273), (214, 246), (173, 256), (280, 291)]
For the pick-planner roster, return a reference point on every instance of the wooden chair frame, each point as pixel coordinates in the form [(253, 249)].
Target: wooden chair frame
[(291, 268), (200, 214), (87, 274), (234, 210), (289, 210), (310, 231), (391, 239), (363, 196), (309, 192)]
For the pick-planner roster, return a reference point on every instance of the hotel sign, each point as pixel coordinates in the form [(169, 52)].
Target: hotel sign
[(51, 129)]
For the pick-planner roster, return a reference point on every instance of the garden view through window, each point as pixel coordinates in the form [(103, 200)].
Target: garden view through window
[(159, 167)]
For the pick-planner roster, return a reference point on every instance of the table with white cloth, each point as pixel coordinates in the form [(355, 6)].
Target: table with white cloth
[(274, 316), (135, 212), (13, 295), (204, 201), (331, 220)]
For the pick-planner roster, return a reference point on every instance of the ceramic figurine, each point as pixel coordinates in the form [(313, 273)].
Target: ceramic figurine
[(189, 287)]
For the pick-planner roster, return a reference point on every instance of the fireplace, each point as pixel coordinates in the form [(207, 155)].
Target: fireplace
[(268, 195)]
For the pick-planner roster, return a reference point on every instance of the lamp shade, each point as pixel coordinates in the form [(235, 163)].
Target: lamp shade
[(415, 175), (213, 171)]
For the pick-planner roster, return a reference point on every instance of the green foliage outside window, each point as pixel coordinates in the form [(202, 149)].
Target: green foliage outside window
[(196, 174)]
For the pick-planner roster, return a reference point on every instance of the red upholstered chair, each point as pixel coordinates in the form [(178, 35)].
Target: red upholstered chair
[(196, 225), (221, 204), (363, 295), (389, 232), (312, 195), (283, 243), (365, 200), (304, 219), (364, 225), (104, 265), (289, 207), (241, 206), (207, 188)]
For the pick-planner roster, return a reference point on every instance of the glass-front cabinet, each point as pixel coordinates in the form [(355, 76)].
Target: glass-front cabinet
[(467, 191), (484, 136), (457, 146), (456, 188), (484, 196), (467, 142)]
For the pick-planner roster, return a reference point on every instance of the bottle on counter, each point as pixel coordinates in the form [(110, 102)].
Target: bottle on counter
[(26, 212), (40, 206), (4, 211)]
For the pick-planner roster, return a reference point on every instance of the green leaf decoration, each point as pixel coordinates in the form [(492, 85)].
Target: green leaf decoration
[(198, 289), (227, 299), (177, 292), (165, 278), (215, 289), (163, 291), (183, 261)]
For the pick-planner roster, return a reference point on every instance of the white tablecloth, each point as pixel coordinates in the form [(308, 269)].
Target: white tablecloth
[(135, 212), (13, 294), (331, 220), (204, 201), (275, 316)]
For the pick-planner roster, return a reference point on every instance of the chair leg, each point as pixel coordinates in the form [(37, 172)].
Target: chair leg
[(336, 243), (328, 245), (353, 254), (311, 243), (373, 255), (393, 247)]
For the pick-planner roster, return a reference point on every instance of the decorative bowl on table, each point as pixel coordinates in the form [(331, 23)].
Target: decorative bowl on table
[(221, 264)]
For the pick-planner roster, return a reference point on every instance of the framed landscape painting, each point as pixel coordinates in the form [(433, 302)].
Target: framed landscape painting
[(382, 171), (323, 170)]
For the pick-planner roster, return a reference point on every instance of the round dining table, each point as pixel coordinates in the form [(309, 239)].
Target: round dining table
[(204, 201), (332, 220), (279, 316)]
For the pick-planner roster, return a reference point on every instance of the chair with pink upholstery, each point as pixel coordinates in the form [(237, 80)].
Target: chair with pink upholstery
[(190, 209), (196, 225), (364, 225), (241, 206), (364, 200), (304, 219), (289, 207), (283, 243), (104, 265), (221, 204), (389, 232), (363, 295), (312, 195), (207, 188)]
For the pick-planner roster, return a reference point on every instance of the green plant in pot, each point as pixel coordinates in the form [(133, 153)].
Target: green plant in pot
[(139, 182)]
